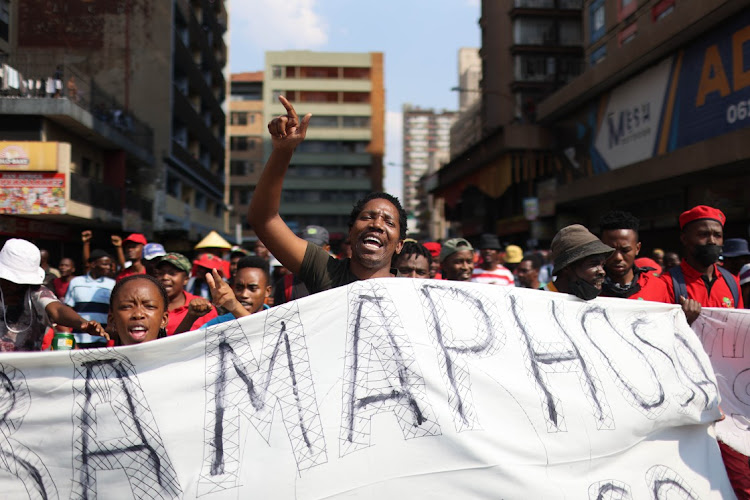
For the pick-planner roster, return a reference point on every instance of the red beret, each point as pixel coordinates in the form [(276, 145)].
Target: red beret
[(702, 212)]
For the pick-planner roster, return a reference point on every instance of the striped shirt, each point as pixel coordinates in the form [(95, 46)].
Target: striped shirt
[(89, 297), (499, 276)]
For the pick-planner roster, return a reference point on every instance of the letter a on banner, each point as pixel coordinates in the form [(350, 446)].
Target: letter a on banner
[(237, 384), (104, 377), (15, 458), (381, 373)]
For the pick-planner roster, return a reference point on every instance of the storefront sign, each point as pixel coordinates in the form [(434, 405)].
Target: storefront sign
[(19, 156), (32, 193)]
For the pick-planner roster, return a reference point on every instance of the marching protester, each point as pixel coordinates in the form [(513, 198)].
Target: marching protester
[(235, 254), (377, 223), (434, 248), (579, 258), (246, 295), (513, 256), (698, 281), (50, 273), (491, 271), (132, 248), (735, 254), (28, 308), (414, 261), (457, 260), (138, 310), (624, 279), (186, 311), (67, 272), (152, 253), (197, 284), (527, 272), (89, 294)]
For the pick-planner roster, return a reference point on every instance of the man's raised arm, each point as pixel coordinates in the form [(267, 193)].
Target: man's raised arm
[(287, 132)]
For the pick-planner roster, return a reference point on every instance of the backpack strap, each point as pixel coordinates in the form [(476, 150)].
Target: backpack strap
[(288, 286), (678, 283), (731, 283)]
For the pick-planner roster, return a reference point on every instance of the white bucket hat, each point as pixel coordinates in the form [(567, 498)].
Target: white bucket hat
[(19, 262)]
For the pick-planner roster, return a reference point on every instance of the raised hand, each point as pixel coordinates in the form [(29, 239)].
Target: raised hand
[(223, 296), (199, 307), (287, 131), (86, 236), (116, 241)]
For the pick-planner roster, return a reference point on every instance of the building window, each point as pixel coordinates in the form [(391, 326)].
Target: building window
[(597, 20), (325, 121), (276, 71), (356, 122), (275, 95), (627, 34), (241, 167), (200, 200), (625, 8), (239, 143), (662, 10), (238, 118), (173, 186), (357, 73), (252, 117), (4, 19), (358, 97), (598, 55)]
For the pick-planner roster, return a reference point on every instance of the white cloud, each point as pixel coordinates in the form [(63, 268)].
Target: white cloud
[(275, 25), (394, 171)]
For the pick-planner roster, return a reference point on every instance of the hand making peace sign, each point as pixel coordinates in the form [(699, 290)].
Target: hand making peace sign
[(287, 131)]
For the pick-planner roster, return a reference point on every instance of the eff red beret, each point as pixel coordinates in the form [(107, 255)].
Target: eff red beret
[(434, 248), (702, 212)]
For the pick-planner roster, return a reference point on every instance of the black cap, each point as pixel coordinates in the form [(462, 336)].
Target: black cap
[(489, 242), (98, 254)]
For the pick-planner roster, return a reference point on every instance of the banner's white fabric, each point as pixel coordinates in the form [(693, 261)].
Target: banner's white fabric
[(724, 334), (390, 388)]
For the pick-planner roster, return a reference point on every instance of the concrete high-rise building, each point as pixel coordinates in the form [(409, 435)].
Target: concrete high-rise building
[(658, 122), (157, 63), (528, 51), (341, 160), (426, 147), (247, 129), (469, 77)]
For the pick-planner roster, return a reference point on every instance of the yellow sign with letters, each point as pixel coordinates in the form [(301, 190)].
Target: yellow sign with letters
[(23, 156)]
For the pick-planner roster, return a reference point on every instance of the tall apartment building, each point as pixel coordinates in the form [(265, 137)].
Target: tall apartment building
[(467, 129), (159, 64), (341, 159), (247, 129), (527, 52), (659, 120), (426, 147)]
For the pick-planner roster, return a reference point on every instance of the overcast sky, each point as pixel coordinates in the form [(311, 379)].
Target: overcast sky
[(420, 40)]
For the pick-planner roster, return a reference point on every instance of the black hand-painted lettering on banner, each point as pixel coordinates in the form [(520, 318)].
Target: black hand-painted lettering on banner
[(610, 490), (651, 401), (237, 384), (666, 484), (381, 373), (104, 377), (690, 366), (545, 359), (483, 338), (15, 458)]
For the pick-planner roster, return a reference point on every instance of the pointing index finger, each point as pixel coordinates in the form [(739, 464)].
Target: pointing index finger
[(288, 106)]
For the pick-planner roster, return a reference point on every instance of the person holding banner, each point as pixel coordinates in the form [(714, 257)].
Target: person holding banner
[(579, 259), (377, 223), (138, 310)]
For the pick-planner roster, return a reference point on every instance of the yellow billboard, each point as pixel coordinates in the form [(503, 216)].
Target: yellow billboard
[(23, 156)]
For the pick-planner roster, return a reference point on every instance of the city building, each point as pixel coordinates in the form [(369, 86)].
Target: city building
[(160, 64), (527, 52), (341, 160), (426, 147), (659, 120), (247, 129), (467, 129)]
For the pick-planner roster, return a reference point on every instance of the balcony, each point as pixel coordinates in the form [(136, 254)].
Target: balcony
[(96, 194)]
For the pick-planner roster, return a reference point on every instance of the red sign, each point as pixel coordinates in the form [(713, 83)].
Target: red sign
[(32, 193)]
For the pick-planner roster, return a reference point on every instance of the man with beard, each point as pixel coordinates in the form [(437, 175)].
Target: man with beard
[(457, 260), (132, 247), (579, 258), (698, 282), (624, 279), (377, 223)]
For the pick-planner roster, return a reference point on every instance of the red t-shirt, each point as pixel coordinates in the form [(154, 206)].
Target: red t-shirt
[(60, 287), (128, 271), (721, 295), (652, 288), (177, 315)]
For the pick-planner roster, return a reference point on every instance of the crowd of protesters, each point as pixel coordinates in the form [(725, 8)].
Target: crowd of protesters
[(136, 291)]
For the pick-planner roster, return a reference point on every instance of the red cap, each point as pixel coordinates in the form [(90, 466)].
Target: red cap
[(434, 248), (209, 261), (702, 212), (136, 238)]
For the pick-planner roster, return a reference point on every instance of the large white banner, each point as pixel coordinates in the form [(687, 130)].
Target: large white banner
[(724, 334), (390, 388)]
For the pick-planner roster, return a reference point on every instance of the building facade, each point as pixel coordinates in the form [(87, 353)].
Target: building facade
[(659, 121), (341, 160), (529, 49), (426, 147), (247, 129), (160, 64)]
